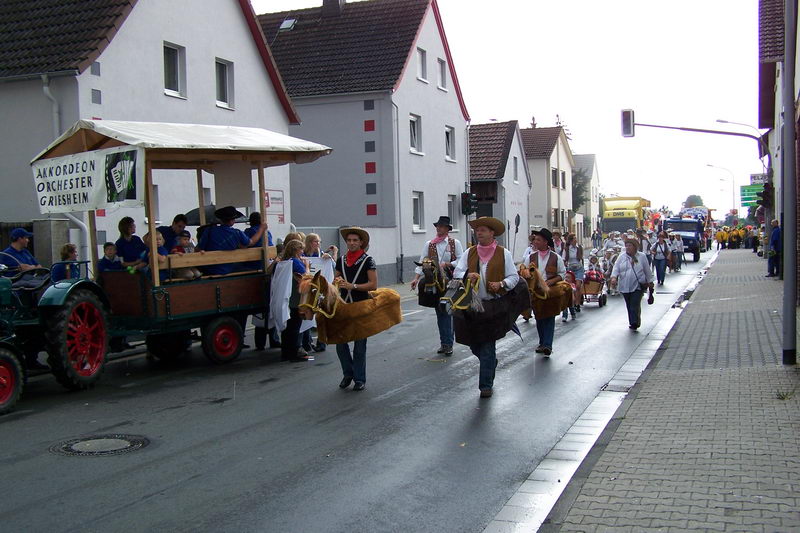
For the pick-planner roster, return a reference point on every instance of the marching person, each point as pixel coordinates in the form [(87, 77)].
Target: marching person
[(661, 256), (631, 276), (492, 268), (356, 275), (573, 259), (553, 270), (444, 251), (558, 244)]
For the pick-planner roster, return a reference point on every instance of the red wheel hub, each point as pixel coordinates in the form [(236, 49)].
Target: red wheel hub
[(86, 339), (226, 341), (8, 382)]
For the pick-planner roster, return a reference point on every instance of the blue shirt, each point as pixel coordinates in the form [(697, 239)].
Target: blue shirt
[(130, 250), (775, 239), (24, 256), (107, 264), (59, 272), (222, 238), (170, 237), (298, 267), (252, 231), (145, 257)]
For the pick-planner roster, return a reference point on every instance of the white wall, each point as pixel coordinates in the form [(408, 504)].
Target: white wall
[(539, 211), (516, 199)]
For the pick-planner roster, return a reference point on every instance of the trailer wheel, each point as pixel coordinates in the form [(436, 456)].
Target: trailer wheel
[(222, 339), (12, 380), (77, 340), (168, 346)]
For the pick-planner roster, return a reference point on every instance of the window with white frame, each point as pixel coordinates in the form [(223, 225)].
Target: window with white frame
[(554, 177), (422, 64), (442, 74), (452, 210), (415, 133), (450, 143), (417, 207), (224, 71), (563, 179), (516, 170), (174, 70)]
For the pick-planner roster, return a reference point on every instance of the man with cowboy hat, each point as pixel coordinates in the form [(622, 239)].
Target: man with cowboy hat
[(552, 268), (445, 251), (492, 268), (356, 275), (225, 237)]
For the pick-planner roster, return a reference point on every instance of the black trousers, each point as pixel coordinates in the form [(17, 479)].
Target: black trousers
[(290, 335), (633, 301)]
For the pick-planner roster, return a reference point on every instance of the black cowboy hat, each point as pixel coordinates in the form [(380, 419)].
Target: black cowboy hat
[(228, 213), (443, 221), (544, 232)]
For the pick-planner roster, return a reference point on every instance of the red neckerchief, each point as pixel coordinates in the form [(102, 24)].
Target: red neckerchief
[(350, 258), (485, 253), (437, 239)]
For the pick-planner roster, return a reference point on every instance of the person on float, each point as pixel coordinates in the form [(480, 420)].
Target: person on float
[(172, 232), (445, 251), (492, 267), (225, 237), (552, 268)]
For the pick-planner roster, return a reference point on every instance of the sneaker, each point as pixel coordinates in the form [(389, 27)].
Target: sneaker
[(539, 349), (301, 352), (359, 385), (547, 351), (441, 349), (448, 349), (345, 382), (563, 318)]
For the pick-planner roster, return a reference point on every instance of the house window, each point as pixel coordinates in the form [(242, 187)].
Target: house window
[(369, 105), (174, 70), (555, 217), (415, 131), (417, 206), (554, 177), (442, 74), (450, 143), (372, 188), (97, 96), (224, 83), (516, 170), (369, 146), (452, 210), (95, 69), (563, 218), (422, 65), (563, 179)]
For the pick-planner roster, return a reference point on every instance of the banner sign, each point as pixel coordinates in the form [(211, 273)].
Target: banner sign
[(91, 180)]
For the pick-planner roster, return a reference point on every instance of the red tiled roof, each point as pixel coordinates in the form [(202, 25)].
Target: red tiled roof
[(539, 143), (489, 146), (47, 36), (770, 31)]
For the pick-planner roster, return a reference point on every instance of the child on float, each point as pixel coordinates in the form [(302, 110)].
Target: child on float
[(184, 245)]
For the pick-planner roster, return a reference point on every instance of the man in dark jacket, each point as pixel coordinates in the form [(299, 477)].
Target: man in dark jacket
[(775, 241)]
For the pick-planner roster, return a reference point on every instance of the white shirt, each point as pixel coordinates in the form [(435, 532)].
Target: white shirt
[(528, 251), (645, 245), (558, 247), (511, 279), (630, 274), (443, 250), (574, 262), (660, 250), (541, 264)]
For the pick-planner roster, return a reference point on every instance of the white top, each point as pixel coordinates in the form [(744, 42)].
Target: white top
[(558, 247), (573, 257), (528, 251), (541, 264), (644, 245), (511, 279), (660, 250), (443, 250), (631, 272)]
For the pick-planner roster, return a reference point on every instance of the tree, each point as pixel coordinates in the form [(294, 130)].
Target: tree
[(693, 200), (580, 188)]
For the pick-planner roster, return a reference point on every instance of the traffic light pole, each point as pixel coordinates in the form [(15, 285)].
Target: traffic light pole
[(789, 187)]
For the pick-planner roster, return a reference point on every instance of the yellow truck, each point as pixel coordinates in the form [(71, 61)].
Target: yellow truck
[(621, 213)]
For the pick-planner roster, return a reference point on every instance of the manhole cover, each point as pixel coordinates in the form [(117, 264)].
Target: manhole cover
[(100, 445)]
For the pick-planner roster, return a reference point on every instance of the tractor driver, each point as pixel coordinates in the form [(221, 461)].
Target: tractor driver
[(21, 259)]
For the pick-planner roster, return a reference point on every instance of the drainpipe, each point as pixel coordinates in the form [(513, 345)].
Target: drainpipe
[(56, 111), (396, 113)]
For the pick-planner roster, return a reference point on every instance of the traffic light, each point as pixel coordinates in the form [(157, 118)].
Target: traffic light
[(627, 123), (469, 203), (765, 197)]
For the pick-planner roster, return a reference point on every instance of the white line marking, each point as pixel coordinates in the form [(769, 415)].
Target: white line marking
[(413, 312)]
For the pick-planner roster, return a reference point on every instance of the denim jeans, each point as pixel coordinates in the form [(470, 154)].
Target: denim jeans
[(445, 322), (485, 352), (661, 269), (355, 365), (633, 301), (547, 330)]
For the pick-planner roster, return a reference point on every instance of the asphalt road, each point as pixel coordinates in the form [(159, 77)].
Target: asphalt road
[(262, 445)]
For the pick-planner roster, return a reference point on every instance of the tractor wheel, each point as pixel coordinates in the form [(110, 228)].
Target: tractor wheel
[(168, 346), (12, 379), (222, 339), (77, 340)]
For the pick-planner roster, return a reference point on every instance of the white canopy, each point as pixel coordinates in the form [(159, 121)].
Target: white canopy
[(164, 135)]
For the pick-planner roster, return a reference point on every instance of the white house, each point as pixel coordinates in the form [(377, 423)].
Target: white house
[(550, 162), (499, 177), (375, 81), (191, 61), (591, 207)]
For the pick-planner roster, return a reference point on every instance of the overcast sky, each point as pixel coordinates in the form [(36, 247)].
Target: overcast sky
[(677, 63)]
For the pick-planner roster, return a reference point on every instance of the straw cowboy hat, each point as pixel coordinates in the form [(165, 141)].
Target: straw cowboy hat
[(490, 222), (362, 233)]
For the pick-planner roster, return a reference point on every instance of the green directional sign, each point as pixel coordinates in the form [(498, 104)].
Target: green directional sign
[(749, 194)]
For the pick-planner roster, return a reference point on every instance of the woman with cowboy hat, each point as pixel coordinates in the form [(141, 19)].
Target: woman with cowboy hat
[(356, 275), (492, 268), (552, 267), (445, 251)]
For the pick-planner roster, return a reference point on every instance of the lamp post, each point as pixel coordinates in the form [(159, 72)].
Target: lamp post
[(761, 143), (733, 184)]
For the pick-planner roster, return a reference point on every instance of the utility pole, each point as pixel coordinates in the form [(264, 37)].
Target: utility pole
[(789, 187)]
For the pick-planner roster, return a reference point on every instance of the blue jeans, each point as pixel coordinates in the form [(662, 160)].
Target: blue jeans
[(661, 269), (547, 330), (485, 353), (355, 365), (633, 301), (445, 322)]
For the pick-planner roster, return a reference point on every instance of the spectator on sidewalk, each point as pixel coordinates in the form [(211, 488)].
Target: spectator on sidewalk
[(632, 276), (774, 254)]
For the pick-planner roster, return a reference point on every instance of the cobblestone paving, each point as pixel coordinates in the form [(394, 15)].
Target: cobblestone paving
[(707, 444)]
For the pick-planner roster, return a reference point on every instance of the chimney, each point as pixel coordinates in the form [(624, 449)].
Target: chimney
[(332, 8)]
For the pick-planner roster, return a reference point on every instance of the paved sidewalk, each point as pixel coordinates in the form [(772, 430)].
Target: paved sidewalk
[(703, 441)]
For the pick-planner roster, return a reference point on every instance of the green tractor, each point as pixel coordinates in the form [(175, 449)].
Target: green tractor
[(67, 319)]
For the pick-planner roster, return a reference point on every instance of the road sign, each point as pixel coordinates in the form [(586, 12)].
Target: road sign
[(756, 179), (749, 193)]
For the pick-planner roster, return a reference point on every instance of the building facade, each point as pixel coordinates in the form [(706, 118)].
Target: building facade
[(550, 162)]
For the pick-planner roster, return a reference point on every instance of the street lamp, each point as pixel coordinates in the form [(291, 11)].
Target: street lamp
[(761, 143), (733, 184)]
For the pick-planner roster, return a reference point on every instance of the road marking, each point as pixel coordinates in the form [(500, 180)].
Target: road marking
[(413, 312)]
